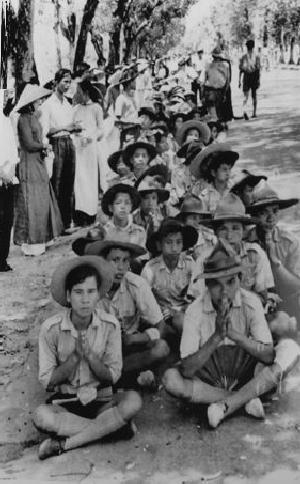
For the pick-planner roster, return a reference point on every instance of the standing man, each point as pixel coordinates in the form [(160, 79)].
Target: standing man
[(250, 70), (57, 123)]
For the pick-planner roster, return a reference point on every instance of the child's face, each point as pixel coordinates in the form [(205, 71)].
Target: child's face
[(84, 297), (149, 202), (247, 195), (121, 260), (172, 245), (192, 135), (140, 160), (122, 169), (162, 146), (222, 173), (122, 206), (145, 121), (268, 217), (232, 232), (194, 220)]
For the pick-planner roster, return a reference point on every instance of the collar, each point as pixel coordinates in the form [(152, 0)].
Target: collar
[(67, 325), (163, 266), (208, 306), (111, 223)]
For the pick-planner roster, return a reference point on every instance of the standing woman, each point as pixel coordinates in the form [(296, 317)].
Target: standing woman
[(37, 217), (88, 113)]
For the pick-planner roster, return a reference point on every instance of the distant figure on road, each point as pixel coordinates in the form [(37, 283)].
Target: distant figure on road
[(250, 70)]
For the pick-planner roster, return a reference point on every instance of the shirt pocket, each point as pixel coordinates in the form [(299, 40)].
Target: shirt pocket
[(66, 346)]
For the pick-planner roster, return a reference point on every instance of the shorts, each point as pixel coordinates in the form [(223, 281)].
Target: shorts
[(251, 82), (91, 410)]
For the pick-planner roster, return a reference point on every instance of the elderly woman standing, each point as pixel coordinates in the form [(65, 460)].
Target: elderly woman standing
[(37, 217)]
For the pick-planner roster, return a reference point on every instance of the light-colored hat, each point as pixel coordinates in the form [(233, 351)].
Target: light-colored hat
[(192, 204), (208, 157), (97, 248), (267, 196), (149, 186), (222, 262), (231, 209), (202, 128), (30, 94), (58, 284)]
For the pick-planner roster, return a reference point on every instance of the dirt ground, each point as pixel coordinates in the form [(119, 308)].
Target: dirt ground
[(173, 442)]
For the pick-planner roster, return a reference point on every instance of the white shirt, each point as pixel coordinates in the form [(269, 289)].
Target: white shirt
[(55, 113)]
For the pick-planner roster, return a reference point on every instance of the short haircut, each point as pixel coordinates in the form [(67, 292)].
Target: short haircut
[(170, 231), (61, 73), (107, 250), (250, 44), (79, 274)]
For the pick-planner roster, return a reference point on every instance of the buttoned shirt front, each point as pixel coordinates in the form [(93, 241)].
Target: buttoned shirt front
[(132, 303), (171, 288), (55, 113), (57, 341), (246, 315), (211, 198), (130, 233)]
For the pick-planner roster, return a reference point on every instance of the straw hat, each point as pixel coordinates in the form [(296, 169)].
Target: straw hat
[(79, 245), (110, 194), (114, 159), (192, 204), (209, 156), (130, 149), (101, 246), (58, 283), (30, 94), (150, 186), (267, 196), (231, 209), (202, 128), (222, 262)]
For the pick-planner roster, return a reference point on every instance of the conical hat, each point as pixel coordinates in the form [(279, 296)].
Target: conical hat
[(31, 93)]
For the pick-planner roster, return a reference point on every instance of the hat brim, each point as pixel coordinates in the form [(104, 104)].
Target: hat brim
[(203, 129), (222, 273), (29, 99), (206, 160), (282, 204), (231, 218), (100, 246), (207, 216), (109, 196), (113, 160), (130, 149), (58, 283), (251, 180), (78, 246), (162, 195)]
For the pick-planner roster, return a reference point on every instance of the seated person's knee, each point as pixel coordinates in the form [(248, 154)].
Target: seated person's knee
[(160, 349), (44, 418), (130, 404), (173, 382)]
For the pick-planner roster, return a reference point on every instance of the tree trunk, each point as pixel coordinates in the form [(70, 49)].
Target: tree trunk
[(4, 45), (291, 61), (24, 63), (88, 15)]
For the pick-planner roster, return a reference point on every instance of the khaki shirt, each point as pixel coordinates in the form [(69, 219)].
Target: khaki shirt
[(257, 275), (172, 288), (286, 245), (57, 342), (133, 302), (131, 233), (211, 198), (247, 316)]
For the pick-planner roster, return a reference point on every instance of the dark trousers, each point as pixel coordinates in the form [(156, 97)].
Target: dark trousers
[(63, 176), (6, 220)]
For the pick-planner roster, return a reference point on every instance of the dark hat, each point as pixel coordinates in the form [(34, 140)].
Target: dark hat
[(267, 196), (189, 151), (159, 170), (127, 75), (111, 193), (150, 186), (247, 179), (159, 125), (114, 159), (250, 44), (231, 209), (210, 156), (202, 128), (222, 262), (218, 53), (168, 226), (58, 284), (79, 245), (130, 149), (192, 204), (148, 111), (101, 246), (175, 116)]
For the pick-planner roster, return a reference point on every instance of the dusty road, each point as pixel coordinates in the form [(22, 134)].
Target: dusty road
[(173, 443)]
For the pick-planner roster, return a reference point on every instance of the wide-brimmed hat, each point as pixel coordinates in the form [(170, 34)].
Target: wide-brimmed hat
[(58, 284), (150, 186), (110, 194), (30, 94), (148, 111), (189, 151), (79, 245), (231, 209), (267, 196), (114, 159), (172, 225), (158, 170), (222, 262), (246, 178), (210, 156), (159, 126), (101, 246), (192, 204), (130, 149), (218, 53), (202, 128)]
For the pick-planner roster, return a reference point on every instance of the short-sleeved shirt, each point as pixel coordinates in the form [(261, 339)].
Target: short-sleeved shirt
[(257, 275), (57, 341), (131, 233), (132, 303), (211, 198), (55, 113), (286, 246), (126, 108), (172, 288), (247, 317), (152, 223)]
